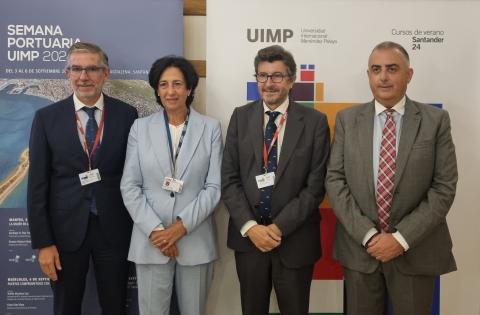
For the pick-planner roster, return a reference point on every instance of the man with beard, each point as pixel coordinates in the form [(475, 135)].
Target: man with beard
[(274, 211)]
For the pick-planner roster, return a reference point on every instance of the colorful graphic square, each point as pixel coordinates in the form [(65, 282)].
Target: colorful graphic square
[(303, 91), (252, 91), (307, 75), (319, 91), (327, 268)]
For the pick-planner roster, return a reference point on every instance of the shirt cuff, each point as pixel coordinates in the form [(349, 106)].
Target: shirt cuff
[(247, 226), (159, 227), (401, 240), (368, 236)]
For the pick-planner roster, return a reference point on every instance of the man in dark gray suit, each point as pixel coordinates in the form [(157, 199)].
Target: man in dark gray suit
[(391, 181), (274, 212)]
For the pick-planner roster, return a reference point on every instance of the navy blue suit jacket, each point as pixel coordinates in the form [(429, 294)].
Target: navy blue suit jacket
[(58, 206)]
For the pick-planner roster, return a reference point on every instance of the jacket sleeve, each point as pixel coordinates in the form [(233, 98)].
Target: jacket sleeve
[(203, 205), (434, 207), (341, 199), (297, 211), (131, 186), (233, 193), (38, 190)]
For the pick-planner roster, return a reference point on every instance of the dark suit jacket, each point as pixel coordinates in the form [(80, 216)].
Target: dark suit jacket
[(58, 206), (424, 188), (299, 180)]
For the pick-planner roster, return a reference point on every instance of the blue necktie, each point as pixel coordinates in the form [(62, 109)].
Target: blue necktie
[(91, 129), (266, 192)]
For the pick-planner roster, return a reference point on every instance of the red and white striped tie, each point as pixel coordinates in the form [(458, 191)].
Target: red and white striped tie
[(386, 171)]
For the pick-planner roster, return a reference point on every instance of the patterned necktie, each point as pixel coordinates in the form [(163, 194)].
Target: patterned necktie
[(90, 133), (266, 192), (386, 170), (91, 128)]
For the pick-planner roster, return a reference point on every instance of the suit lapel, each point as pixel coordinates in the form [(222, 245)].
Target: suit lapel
[(195, 130), (410, 125), (293, 130), (159, 142), (71, 131), (108, 136), (255, 133), (365, 142)]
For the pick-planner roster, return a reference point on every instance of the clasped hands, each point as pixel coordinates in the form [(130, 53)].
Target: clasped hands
[(265, 238), (384, 247), (165, 240)]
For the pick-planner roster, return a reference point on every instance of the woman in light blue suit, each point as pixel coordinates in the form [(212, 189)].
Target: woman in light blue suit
[(170, 186)]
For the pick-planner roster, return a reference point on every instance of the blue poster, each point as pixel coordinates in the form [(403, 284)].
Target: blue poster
[(34, 40)]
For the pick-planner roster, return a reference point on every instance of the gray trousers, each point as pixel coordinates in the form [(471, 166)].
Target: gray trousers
[(155, 283), (367, 293)]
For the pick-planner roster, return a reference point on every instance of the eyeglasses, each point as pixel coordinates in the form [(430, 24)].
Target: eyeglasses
[(276, 77), (90, 70)]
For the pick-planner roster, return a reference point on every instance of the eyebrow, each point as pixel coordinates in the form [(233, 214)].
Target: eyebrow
[(387, 66)]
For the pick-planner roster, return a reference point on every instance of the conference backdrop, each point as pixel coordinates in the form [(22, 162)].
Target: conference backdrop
[(34, 39), (331, 42)]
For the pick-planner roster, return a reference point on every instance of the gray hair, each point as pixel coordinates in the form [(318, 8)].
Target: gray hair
[(84, 47), (393, 45)]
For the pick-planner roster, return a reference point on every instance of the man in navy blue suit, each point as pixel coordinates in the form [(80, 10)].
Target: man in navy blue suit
[(75, 209)]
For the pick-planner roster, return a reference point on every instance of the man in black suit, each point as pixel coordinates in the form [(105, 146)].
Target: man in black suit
[(274, 211), (75, 209)]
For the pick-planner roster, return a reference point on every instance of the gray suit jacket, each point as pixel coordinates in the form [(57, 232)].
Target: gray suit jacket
[(299, 181), (425, 183), (198, 165)]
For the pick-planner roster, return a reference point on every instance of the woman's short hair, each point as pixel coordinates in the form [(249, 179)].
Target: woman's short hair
[(182, 64)]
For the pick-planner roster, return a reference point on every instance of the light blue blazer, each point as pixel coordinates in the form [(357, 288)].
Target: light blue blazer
[(198, 166)]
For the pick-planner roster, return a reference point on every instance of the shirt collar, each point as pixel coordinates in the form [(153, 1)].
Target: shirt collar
[(79, 105), (282, 109), (399, 107)]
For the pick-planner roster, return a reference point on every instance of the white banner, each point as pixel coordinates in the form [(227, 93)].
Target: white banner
[(334, 39)]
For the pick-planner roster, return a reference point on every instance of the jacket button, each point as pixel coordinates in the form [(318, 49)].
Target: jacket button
[(172, 194)]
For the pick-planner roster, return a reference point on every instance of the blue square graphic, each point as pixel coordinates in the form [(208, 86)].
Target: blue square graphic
[(252, 91)]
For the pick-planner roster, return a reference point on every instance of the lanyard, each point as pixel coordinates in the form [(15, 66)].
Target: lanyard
[(275, 136), (97, 137), (173, 159)]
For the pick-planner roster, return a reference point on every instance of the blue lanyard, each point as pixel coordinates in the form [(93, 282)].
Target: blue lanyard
[(173, 159)]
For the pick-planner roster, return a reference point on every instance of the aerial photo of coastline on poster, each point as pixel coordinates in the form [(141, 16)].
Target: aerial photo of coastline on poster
[(19, 99)]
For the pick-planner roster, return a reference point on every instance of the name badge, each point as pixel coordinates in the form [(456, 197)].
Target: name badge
[(89, 177), (172, 184), (265, 180)]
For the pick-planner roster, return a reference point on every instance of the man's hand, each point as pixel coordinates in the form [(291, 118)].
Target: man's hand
[(274, 228), (49, 260), (384, 247), (164, 239), (263, 237)]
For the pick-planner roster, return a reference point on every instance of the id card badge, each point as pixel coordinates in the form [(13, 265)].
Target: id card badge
[(172, 184), (265, 180), (89, 177)]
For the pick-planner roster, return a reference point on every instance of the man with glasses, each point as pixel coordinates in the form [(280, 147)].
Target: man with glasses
[(75, 209), (273, 171)]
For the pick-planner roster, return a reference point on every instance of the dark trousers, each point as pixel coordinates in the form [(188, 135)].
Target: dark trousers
[(257, 272), (111, 274), (368, 293)]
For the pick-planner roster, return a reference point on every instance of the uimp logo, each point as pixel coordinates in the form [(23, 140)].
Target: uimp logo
[(269, 35)]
